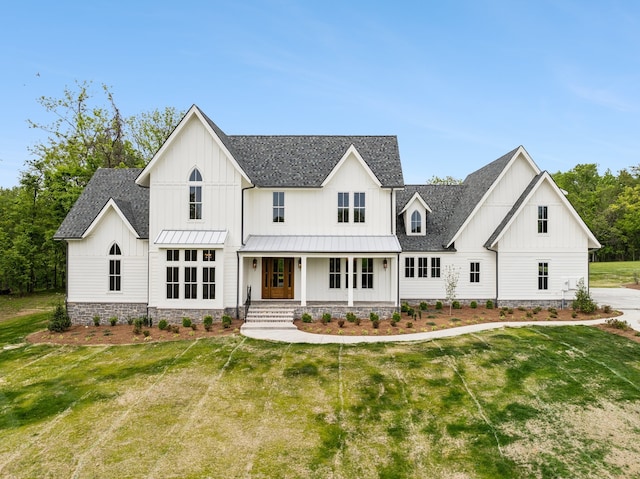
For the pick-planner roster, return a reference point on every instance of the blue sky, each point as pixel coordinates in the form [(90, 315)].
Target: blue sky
[(460, 83)]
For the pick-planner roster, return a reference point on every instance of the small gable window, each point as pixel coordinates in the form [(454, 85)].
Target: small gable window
[(278, 206), (542, 219), (115, 278), (358, 207), (416, 222), (195, 195)]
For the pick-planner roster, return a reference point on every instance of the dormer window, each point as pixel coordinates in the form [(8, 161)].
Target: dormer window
[(416, 222), (195, 195)]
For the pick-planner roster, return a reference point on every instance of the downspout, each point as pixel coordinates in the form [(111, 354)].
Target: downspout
[(238, 252), (496, 252), (398, 282)]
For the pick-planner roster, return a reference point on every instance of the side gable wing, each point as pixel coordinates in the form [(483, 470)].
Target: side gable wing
[(111, 204)]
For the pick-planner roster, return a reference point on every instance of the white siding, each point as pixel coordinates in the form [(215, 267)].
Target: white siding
[(88, 269), (314, 211), (169, 209)]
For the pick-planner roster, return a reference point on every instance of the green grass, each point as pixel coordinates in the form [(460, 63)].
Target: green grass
[(530, 402), (613, 274)]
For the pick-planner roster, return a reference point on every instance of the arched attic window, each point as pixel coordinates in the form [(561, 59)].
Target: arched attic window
[(115, 278), (195, 195), (416, 222)]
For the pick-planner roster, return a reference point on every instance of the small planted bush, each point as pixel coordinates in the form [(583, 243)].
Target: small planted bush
[(137, 326), (583, 301), (438, 305), (194, 325), (96, 320), (356, 321), (350, 317), (341, 323), (306, 318), (616, 323), (113, 320), (326, 318), (59, 321), (423, 306), (606, 309), (536, 310), (411, 312), (375, 323), (396, 317), (473, 304), (456, 305), (129, 320), (162, 324), (186, 322), (405, 307), (409, 325), (374, 317), (146, 333), (226, 321), (489, 304), (208, 322)]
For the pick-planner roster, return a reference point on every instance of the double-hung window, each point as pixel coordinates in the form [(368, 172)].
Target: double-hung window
[(358, 207), (343, 207), (435, 267), (474, 272), (543, 275), (190, 282), (115, 279), (423, 267), (278, 206), (366, 273), (334, 273), (409, 267), (543, 219), (195, 195), (208, 283)]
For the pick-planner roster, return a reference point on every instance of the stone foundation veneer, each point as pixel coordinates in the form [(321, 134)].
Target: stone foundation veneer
[(362, 312), (195, 315), (83, 313), (510, 303)]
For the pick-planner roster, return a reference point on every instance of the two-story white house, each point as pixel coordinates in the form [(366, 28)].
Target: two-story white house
[(320, 222)]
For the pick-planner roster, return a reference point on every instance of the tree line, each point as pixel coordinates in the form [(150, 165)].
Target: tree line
[(89, 132)]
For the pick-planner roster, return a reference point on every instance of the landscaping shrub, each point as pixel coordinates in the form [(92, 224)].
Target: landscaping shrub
[(618, 324), (489, 304), (606, 309), (208, 322), (583, 301), (96, 320), (113, 321), (174, 328), (438, 305), (341, 323), (186, 322), (396, 317), (374, 316), (59, 321), (129, 320), (405, 307), (411, 312), (423, 306), (351, 317), (146, 321), (356, 321), (162, 324), (306, 318), (326, 318), (375, 323), (537, 309), (409, 325), (137, 326), (456, 305), (393, 322), (146, 333), (473, 304), (226, 321), (194, 325)]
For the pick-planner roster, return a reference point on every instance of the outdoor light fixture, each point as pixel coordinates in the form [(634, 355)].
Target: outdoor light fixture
[(299, 263), (255, 263), (384, 263)]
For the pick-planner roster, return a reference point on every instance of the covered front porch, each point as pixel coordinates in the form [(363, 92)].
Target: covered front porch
[(318, 271)]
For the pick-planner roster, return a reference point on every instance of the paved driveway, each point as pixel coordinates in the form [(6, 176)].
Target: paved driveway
[(618, 298)]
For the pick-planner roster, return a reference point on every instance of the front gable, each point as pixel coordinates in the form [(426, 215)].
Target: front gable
[(111, 206), (350, 155)]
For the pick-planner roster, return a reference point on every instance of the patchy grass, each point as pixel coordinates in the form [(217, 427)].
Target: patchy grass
[(613, 274), (533, 402)]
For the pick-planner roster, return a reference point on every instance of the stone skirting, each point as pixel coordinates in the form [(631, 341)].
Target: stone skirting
[(337, 311), (527, 303), (83, 313), (195, 315)]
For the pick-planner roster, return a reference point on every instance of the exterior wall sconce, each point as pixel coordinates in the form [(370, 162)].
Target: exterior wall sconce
[(299, 263), (255, 263), (384, 263)]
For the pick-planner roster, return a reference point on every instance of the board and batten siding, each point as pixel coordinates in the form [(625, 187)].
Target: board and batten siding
[(221, 186), (88, 267), (314, 211)]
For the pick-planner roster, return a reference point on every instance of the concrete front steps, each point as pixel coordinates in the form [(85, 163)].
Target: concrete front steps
[(270, 317)]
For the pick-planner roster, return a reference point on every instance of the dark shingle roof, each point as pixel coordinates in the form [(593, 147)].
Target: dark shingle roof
[(513, 209), (476, 185), (107, 183), (442, 199), (306, 160)]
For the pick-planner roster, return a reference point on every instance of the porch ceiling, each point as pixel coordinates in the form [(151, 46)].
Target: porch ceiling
[(321, 244)]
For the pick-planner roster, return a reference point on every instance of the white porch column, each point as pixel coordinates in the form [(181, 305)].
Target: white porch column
[(242, 293), (394, 279), (350, 281), (303, 280)]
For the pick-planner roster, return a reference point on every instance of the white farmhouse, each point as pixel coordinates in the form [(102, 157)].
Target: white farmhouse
[(321, 223)]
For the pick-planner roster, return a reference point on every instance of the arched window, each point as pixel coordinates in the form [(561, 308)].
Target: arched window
[(416, 222), (115, 278), (195, 195)]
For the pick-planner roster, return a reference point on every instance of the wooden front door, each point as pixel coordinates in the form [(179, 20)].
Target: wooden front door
[(277, 278)]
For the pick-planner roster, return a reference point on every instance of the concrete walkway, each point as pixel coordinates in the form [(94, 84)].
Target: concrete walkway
[(625, 300)]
